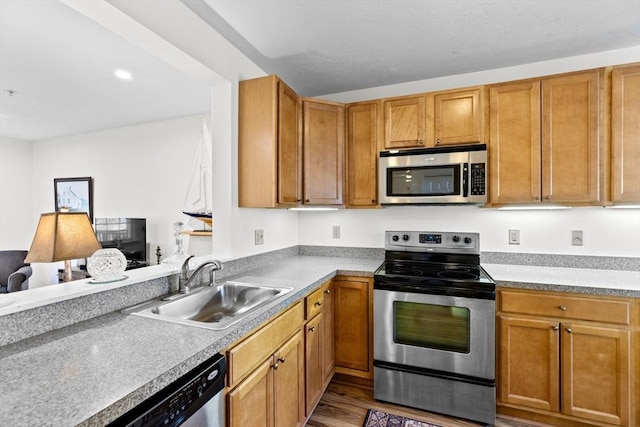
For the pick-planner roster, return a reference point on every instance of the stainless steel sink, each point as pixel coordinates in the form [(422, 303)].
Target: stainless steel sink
[(212, 307)]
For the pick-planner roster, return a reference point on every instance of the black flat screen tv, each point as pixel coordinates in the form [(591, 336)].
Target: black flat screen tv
[(129, 235)]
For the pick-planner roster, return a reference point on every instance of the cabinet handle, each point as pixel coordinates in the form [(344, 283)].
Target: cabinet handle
[(438, 141), (307, 200), (312, 329), (281, 359), (421, 141), (537, 198), (555, 328), (569, 330), (547, 197), (318, 304), (373, 200), (563, 308), (327, 291), (275, 366)]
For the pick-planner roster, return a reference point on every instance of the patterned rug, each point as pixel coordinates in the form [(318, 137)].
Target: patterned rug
[(382, 419)]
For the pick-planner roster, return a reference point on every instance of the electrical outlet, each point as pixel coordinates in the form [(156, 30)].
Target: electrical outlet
[(576, 237), (336, 231), (514, 237), (259, 237)]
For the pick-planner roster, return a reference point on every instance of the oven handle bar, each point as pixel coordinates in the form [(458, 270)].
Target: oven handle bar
[(435, 373), (433, 289)]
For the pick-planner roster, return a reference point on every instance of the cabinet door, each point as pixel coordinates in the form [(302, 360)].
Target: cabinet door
[(571, 145), (529, 363), (595, 373), (323, 147), (313, 352), (353, 327), (404, 122), (458, 117), (251, 403), (289, 383), (289, 160), (514, 143), (362, 154), (327, 325), (625, 134)]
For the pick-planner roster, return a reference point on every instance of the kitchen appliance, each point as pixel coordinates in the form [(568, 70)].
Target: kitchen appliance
[(433, 175), (194, 400), (434, 325)]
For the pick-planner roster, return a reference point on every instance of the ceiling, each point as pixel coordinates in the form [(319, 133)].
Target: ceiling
[(330, 46), (60, 64)]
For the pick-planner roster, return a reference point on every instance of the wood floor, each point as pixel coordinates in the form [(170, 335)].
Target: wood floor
[(346, 406)]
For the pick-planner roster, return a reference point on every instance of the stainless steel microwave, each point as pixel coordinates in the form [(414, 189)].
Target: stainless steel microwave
[(448, 175)]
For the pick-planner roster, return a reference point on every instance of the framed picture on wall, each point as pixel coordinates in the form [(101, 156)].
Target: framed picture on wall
[(74, 195)]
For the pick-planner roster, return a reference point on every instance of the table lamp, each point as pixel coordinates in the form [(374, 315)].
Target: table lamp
[(63, 236)]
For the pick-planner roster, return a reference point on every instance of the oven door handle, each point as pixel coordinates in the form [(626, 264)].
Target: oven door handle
[(465, 180)]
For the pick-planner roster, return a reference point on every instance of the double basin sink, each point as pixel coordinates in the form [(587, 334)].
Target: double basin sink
[(213, 307)]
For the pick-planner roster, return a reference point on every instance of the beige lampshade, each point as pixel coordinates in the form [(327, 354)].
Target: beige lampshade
[(63, 236)]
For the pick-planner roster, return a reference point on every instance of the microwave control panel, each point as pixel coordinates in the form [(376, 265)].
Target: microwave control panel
[(478, 179)]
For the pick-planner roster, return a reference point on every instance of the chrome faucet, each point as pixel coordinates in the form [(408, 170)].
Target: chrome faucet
[(185, 280)]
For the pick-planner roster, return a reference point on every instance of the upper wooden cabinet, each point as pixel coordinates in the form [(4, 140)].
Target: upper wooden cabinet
[(323, 152), (268, 144), (545, 142), (362, 154), (456, 117), (625, 134), (571, 138), (404, 122)]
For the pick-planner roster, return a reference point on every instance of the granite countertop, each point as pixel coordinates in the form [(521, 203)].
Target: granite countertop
[(91, 372)]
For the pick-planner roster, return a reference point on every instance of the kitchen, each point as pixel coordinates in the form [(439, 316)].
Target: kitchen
[(546, 232)]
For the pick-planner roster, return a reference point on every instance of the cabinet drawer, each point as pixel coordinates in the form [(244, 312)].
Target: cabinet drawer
[(566, 307), (313, 303), (246, 356)]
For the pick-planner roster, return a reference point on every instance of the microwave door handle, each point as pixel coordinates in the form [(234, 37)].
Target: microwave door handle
[(465, 180)]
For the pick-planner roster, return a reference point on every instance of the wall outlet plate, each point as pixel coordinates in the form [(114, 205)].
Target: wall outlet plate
[(259, 237), (336, 231), (576, 237), (514, 237)]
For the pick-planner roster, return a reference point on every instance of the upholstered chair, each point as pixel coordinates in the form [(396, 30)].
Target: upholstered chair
[(14, 273)]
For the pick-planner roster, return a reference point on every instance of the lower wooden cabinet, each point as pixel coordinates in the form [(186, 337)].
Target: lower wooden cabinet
[(353, 305), (327, 327), (313, 370), (573, 365), (266, 375)]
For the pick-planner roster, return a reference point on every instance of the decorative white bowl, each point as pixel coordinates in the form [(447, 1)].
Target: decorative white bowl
[(106, 265)]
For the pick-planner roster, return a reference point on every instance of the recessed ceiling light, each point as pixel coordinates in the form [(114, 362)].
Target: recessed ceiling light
[(122, 74)]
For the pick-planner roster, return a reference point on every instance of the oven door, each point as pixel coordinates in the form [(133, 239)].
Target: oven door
[(447, 334)]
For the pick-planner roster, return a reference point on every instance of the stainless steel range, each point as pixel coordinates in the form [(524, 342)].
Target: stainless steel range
[(434, 325)]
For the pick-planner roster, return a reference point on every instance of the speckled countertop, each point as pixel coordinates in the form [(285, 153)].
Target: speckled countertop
[(91, 372)]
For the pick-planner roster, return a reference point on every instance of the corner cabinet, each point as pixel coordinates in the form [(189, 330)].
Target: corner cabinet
[(625, 134), (567, 359), (362, 154), (268, 144), (323, 152), (545, 143), (353, 311), (266, 375)]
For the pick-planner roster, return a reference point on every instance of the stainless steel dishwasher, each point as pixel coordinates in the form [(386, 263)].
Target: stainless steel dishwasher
[(194, 400)]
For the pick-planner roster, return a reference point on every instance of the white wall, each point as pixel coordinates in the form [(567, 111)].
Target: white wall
[(607, 232), (138, 171), (16, 194)]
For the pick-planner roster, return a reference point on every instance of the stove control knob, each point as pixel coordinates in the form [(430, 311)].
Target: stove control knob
[(467, 240), (456, 239), (395, 238), (405, 237)]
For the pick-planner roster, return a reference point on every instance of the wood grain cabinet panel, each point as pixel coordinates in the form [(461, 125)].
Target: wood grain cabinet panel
[(323, 153), (353, 305), (458, 117), (362, 154), (313, 368), (268, 144), (404, 122), (625, 134), (328, 333)]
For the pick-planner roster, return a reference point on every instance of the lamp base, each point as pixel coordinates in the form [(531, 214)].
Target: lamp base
[(67, 275)]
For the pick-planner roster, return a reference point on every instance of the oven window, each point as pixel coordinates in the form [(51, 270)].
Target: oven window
[(432, 326), (424, 181)]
